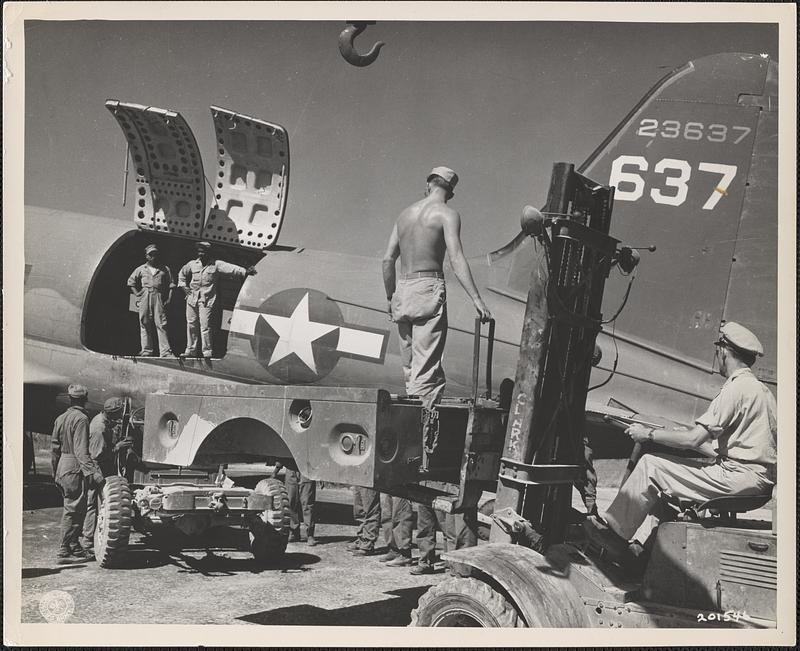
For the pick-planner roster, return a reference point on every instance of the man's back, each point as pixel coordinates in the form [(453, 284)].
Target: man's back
[(420, 230)]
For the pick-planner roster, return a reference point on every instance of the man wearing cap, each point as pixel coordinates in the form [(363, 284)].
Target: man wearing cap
[(199, 279), (103, 430), (152, 284), (74, 471), (423, 233), (741, 418)]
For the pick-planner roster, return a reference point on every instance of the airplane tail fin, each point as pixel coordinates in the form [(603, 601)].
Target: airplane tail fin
[(694, 164)]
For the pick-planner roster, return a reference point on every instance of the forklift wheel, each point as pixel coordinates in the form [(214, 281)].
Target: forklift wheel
[(113, 522), (269, 531), (464, 602)]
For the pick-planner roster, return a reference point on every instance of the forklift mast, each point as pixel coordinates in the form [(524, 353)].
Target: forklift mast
[(543, 449)]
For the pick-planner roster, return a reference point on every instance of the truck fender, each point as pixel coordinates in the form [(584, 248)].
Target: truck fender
[(541, 592)]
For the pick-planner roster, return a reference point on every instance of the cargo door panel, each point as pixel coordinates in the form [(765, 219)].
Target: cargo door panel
[(251, 181), (170, 195)]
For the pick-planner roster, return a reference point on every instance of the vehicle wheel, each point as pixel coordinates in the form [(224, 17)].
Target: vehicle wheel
[(464, 602), (269, 531), (113, 522)]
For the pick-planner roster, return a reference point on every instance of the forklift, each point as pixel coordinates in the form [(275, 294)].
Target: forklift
[(700, 567)]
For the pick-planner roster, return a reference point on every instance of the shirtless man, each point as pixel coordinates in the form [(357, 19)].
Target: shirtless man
[(423, 233)]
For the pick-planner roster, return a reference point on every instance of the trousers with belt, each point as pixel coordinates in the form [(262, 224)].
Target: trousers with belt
[(692, 479), (419, 307), (153, 323)]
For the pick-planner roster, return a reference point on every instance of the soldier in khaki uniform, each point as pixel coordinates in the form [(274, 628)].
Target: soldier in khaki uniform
[(199, 279), (741, 418), (74, 471), (103, 430), (152, 284)]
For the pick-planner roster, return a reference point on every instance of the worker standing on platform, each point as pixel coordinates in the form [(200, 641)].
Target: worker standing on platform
[(74, 471), (423, 233), (199, 279), (152, 284)]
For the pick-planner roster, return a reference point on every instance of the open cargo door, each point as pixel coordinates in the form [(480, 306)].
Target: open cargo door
[(252, 181), (170, 195)]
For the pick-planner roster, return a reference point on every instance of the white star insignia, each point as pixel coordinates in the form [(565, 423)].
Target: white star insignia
[(296, 334)]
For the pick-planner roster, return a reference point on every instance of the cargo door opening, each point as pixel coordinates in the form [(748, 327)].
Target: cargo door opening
[(110, 322)]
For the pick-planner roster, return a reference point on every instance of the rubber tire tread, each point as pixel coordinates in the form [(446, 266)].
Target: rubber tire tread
[(270, 545), (111, 543), (470, 594)]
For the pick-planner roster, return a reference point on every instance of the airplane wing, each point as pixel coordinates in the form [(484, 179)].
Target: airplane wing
[(35, 374)]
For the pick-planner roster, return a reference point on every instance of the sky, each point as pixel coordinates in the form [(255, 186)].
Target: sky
[(499, 102)]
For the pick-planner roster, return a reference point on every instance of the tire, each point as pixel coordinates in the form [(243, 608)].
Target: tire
[(464, 602), (269, 530), (114, 516)]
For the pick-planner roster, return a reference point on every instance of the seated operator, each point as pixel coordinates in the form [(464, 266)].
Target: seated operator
[(741, 418)]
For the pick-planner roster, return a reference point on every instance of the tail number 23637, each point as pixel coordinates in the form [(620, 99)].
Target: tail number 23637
[(630, 186)]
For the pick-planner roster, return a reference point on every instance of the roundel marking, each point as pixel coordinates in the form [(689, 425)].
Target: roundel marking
[(296, 338)]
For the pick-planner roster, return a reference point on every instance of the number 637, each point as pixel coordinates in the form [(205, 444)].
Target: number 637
[(630, 185)]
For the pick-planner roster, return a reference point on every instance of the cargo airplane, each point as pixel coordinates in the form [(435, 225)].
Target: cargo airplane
[(694, 164)]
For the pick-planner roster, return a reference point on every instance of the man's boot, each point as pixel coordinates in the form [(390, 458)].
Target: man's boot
[(66, 557)]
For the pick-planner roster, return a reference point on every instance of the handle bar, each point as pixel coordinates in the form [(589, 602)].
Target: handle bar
[(476, 358)]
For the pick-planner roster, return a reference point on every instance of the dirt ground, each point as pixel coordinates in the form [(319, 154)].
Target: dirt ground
[(320, 585)]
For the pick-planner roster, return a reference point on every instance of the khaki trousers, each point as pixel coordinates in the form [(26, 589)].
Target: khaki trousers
[(153, 324), (302, 501), (459, 530), (419, 307), (693, 479), (198, 325), (397, 522), (367, 514)]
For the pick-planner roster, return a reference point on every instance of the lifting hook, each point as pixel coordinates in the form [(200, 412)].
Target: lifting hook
[(348, 50)]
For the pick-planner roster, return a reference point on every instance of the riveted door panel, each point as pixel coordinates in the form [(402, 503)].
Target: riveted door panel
[(251, 180), (170, 195)]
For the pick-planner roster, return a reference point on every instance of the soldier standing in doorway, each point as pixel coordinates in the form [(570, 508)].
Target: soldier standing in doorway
[(152, 284), (199, 279)]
